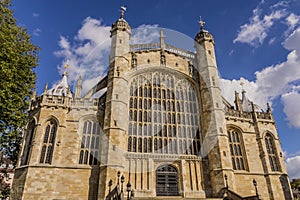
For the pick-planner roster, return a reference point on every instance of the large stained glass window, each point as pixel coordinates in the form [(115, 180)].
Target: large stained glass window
[(163, 115), (236, 150), (90, 143), (48, 142), (269, 141)]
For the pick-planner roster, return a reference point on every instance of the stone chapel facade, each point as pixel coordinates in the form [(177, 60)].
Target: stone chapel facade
[(162, 123)]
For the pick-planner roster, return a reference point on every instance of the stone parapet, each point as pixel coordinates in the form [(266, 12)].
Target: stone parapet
[(65, 102), (239, 115)]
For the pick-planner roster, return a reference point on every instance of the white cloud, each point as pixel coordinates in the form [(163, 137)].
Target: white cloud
[(230, 86), (292, 20), (291, 107), (88, 52), (145, 34), (85, 52), (272, 40), (255, 32), (293, 166), (37, 32), (292, 42), (283, 4), (280, 80), (274, 80), (64, 43), (35, 15), (94, 32)]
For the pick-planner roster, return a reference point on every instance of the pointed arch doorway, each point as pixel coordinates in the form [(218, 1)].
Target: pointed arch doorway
[(166, 181)]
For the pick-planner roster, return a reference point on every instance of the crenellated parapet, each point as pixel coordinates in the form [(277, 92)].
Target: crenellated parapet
[(245, 110), (50, 101), (237, 114), (234, 114), (170, 48), (85, 103), (264, 116), (46, 100)]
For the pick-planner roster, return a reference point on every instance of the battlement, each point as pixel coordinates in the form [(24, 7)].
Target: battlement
[(259, 115), (62, 101), (168, 47)]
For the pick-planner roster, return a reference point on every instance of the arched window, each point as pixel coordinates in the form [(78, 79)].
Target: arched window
[(271, 150), (28, 143), (164, 116), (48, 142), (238, 158), (90, 143)]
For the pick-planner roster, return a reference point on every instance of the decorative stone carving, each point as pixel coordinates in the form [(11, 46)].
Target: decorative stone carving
[(133, 61), (162, 59)]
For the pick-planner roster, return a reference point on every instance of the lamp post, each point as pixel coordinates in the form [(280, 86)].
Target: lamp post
[(122, 181), (129, 191)]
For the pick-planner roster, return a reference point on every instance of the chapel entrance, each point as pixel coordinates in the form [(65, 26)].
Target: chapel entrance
[(166, 181)]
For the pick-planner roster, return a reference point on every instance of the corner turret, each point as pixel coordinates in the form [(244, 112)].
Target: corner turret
[(120, 36), (213, 124)]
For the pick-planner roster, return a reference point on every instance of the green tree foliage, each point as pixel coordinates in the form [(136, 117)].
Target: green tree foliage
[(295, 185), (18, 57)]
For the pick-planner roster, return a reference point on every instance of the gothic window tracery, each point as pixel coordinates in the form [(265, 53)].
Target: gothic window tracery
[(90, 143), (164, 117), (48, 142), (238, 158), (269, 142)]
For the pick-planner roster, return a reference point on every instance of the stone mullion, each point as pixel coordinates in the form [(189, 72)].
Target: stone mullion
[(186, 129), (141, 96), (178, 123), (152, 113)]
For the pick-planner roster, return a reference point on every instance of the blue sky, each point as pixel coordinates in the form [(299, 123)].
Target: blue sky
[(257, 42)]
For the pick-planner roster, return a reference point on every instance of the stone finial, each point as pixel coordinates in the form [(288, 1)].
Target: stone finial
[(33, 96), (46, 88), (237, 101), (242, 85), (268, 108)]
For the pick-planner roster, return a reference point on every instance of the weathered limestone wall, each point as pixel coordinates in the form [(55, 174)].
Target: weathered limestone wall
[(46, 183)]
